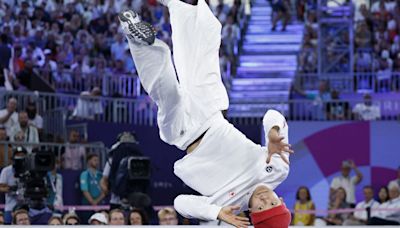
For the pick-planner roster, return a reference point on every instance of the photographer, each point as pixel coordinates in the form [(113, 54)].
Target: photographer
[(8, 184)]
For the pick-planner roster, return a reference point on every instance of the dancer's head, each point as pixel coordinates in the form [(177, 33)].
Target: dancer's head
[(267, 210)]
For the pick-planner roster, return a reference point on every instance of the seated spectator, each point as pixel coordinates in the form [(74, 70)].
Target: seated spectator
[(138, 217), (5, 52), (55, 220), (384, 73), (73, 156), (383, 195), (98, 219), (71, 218), (395, 182), (55, 187), (9, 116), (367, 110), (361, 217), (117, 217), (397, 63), (89, 105), (363, 36), (346, 182), (167, 216), (21, 217), (34, 118), (339, 202), (336, 109), (30, 133), (303, 202), (387, 217), (24, 78), (5, 148)]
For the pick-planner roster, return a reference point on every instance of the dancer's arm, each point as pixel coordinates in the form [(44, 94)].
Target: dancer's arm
[(276, 135), (191, 206)]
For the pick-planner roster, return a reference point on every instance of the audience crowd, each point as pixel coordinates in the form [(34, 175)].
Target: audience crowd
[(376, 43), (70, 42)]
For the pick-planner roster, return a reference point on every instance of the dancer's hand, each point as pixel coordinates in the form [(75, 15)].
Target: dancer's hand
[(227, 215), (277, 146)]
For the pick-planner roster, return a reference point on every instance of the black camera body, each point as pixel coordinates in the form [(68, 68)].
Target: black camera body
[(31, 170)]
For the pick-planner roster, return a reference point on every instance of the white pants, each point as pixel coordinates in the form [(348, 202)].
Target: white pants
[(188, 107)]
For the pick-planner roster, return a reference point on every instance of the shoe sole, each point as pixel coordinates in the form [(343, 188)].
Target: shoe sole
[(149, 40)]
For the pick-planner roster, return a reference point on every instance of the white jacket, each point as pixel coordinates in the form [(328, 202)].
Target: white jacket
[(226, 168)]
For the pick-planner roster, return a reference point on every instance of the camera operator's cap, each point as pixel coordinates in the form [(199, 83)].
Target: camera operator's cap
[(99, 217), (19, 149), (277, 217)]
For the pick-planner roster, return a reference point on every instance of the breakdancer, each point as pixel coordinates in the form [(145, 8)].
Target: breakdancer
[(231, 172)]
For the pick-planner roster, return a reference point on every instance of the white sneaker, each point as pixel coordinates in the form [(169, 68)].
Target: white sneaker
[(136, 30)]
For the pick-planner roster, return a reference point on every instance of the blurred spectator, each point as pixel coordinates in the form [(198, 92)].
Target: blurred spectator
[(5, 52), (167, 216), (55, 187), (367, 110), (346, 182), (363, 36), (138, 217), (117, 217), (361, 217), (281, 11), (1, 218), (30, 133), (21, 217), (89, 105), (34, 118), (336, 109), (90, 184), (363, 61), (106, 213), (73, 155), (384, 73), (90, 181), (71, 218), (395, 182), (383, 195), (9, 116), (5, 148), (98, 219), (8, 184), (118, 47), (387, 217), (24, 77), (303, 202), (339, 202), (55, 220)]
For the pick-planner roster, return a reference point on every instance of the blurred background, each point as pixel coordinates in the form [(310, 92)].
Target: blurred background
[(73, 112)]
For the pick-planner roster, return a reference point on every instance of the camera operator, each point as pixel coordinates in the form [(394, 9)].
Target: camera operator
[(120, 184), (8, 185)]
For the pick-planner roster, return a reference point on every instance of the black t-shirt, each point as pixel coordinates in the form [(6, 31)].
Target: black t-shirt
[(5, 56)]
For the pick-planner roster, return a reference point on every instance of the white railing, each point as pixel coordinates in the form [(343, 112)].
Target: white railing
[(356, 82), (112, 84)]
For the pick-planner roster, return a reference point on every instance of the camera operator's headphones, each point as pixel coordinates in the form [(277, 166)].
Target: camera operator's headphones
[(19, 149)]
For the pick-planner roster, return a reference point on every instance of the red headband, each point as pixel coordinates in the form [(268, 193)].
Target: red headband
[(277, 217)]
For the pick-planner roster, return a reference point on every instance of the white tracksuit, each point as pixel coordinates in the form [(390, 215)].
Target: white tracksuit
[(226, 167)]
